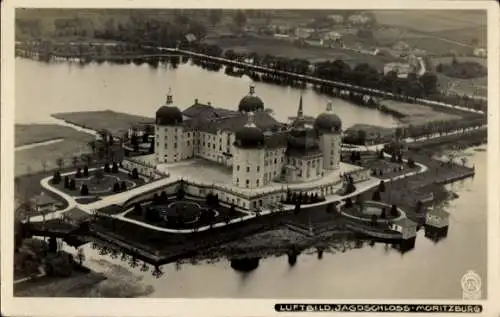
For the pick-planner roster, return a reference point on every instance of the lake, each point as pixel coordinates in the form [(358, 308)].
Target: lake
[(431, 270)]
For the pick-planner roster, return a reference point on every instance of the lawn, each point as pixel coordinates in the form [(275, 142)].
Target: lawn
[(44, 157), (34, 133), (115, 122), (417, 114)]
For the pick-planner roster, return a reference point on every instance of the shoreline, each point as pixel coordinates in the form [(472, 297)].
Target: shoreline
[(153, 55)]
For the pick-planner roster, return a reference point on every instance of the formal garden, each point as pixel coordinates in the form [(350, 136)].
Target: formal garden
[(101, 181), (180, 211)]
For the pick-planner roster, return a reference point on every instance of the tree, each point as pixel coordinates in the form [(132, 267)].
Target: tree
[(240, 18), (78, 173), (72, 184), (116, 187), (114, 169), (60, 163), (215, 16), (411, 163), (80, 255), (232, 210), (376, 195), (135, 173), (74, 161), (66, 182), (123, 186), (394, 211), (419, 207), (374, 220), (137, 209), (181, 193), (56, 179), (99, 175), (84, 190), (381, 186), (86, 171), (429, 83), (106, 168), (348, 203), (163, 197)]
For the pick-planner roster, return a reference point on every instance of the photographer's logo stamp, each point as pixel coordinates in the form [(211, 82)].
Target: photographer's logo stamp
[(471, 286)]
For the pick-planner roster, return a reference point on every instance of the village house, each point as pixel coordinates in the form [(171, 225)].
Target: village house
[(358, 19), (480, 52), (336, 18)]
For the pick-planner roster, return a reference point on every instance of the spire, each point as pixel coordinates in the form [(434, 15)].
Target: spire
[(329, 106), (300, 112), (252, 90), (169, 97), (251, 120)]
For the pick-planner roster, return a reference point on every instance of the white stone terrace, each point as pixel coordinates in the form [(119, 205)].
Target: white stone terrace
[(201, 171)]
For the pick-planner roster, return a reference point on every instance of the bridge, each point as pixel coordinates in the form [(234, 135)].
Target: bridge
[(308, 78)]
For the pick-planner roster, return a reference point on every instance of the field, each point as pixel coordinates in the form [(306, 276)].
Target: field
[(476, 86), (286, 49), (416, 114), (33, 160), (115, 122), (436, 31), (432, 20), (44, 157)]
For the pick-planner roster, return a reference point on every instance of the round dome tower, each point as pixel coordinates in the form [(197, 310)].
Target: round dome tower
[(328, 121), (250, 136), (168, 114), (251, 103)]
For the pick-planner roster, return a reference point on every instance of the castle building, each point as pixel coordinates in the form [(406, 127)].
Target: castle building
[(258, 148)]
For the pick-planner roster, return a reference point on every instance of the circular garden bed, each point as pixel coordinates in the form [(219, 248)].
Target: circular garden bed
[(371, 211)]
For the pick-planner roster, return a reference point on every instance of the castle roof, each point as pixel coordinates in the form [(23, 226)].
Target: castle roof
[(232, 122), (207, 111)]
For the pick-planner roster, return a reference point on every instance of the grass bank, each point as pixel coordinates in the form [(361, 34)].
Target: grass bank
[(415, 114), (44, 158), (115, 122)]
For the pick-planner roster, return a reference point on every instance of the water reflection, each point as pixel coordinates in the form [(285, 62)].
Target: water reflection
[(244, 265)]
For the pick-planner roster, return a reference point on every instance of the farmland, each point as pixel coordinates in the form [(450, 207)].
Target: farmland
[(430, 21), (286, 49)]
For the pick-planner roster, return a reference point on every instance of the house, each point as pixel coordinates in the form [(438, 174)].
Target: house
[(480, 52), (437, 218), (75, 217), (336, 18), (402, 69), (405, 226), (44, 204), (358, 19), (401, 46), (304, 33), (191, 38), (332, 35)]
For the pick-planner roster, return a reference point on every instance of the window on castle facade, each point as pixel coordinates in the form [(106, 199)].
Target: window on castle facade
[(258, 168), (248, 169), (237, 167)]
